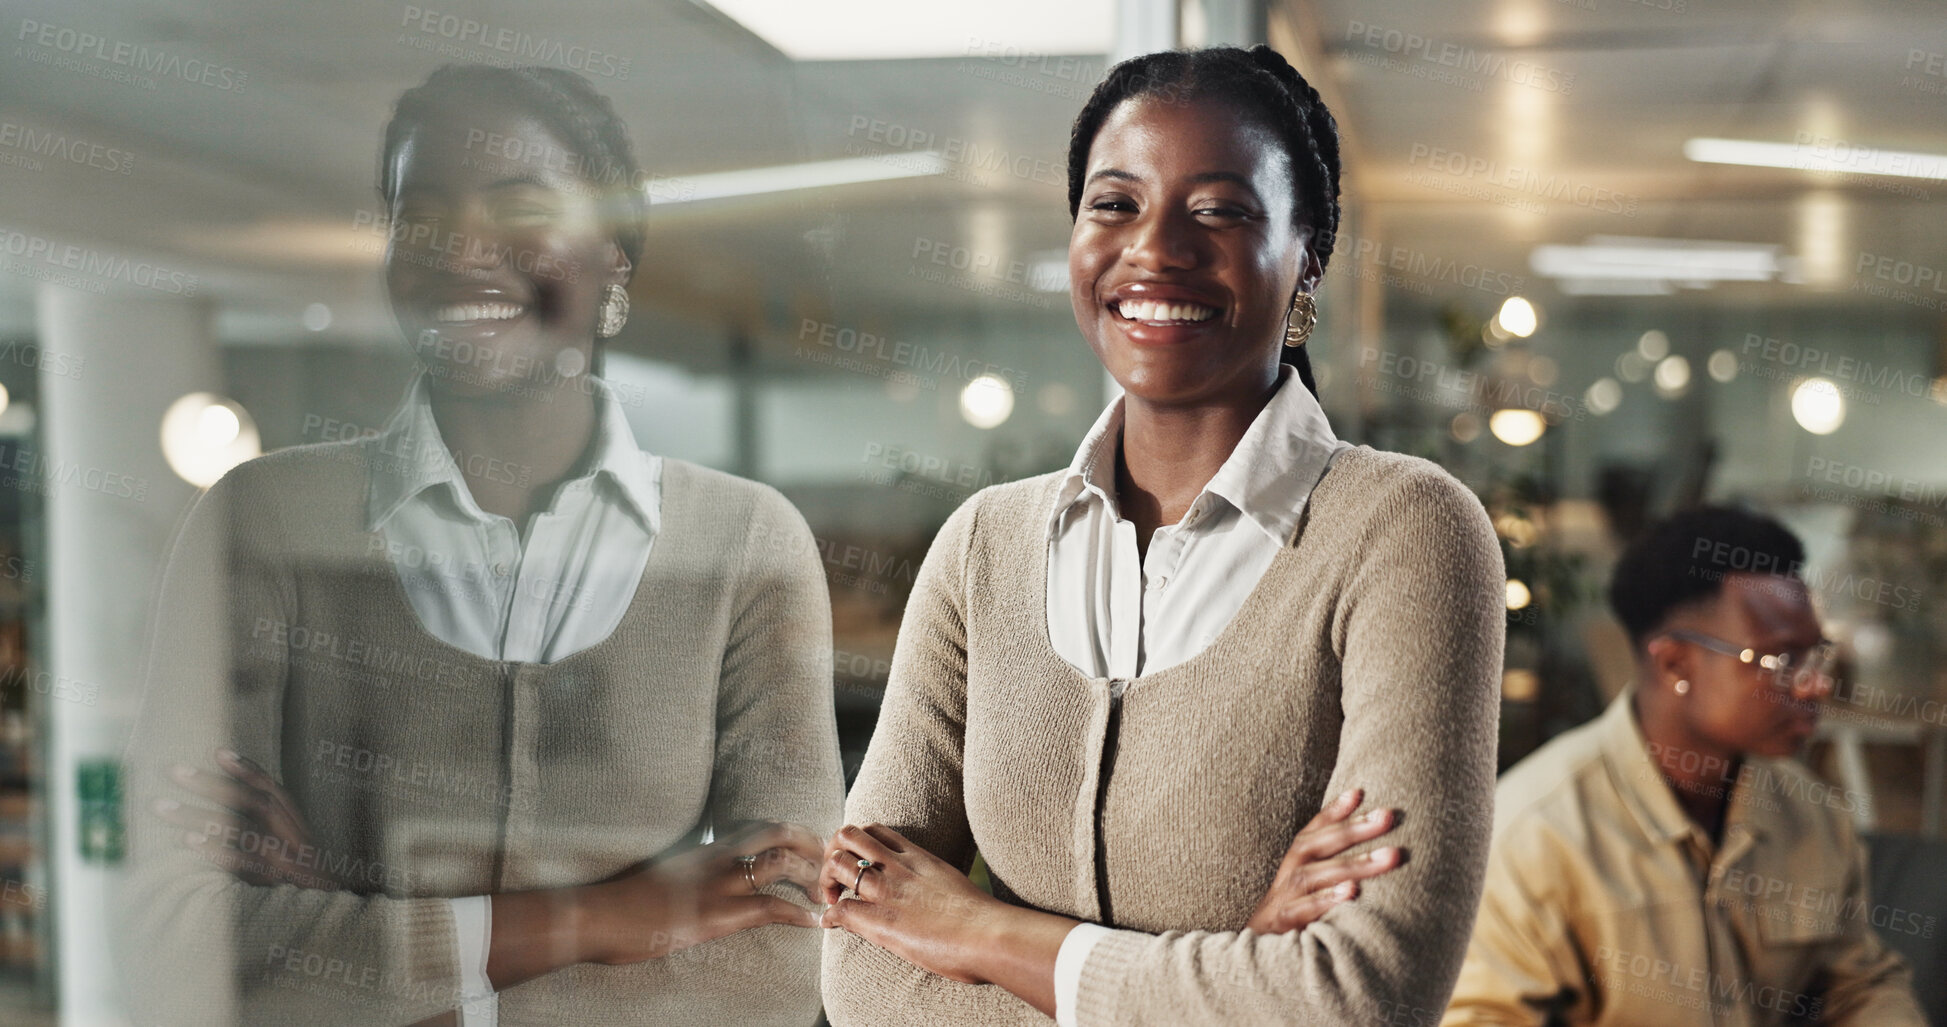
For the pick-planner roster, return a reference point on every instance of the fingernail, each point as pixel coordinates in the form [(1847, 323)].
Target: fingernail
[(1344, 890), (1373, 816), (1381, 855), (1348, 796)]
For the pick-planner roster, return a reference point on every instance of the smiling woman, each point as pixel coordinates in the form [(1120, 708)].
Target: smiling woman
[(490, 679), (1134, 686)]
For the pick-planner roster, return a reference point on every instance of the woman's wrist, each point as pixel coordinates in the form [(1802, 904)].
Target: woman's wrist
[(1015, 948)]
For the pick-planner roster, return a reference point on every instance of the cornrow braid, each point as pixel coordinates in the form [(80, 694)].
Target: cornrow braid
[(562, 100), (1259, 81)]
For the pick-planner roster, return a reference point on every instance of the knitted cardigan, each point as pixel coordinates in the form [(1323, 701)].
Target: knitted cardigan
[(1369, 655), (426, 772)]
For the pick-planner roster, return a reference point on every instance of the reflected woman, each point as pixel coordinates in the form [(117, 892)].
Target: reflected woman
[(488, 679), (1128, 684)]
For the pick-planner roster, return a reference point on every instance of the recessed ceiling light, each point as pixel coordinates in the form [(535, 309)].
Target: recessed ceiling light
[(1019, 31)]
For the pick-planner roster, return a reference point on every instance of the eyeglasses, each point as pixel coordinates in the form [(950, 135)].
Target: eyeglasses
[(1790, 671)]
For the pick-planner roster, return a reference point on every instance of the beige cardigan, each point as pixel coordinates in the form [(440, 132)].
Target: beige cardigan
[(427, 772), (1369, 655)]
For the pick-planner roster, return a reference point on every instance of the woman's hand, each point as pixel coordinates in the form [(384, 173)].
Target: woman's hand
[(700, 894), (923, 909), (255, 832), (1314, 876)]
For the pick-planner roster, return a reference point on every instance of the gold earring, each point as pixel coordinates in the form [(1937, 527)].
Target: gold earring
[(1302, 319), (615, 311), (1682, 687)]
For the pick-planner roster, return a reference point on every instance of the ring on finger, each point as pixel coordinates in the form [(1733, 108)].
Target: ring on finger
[(864, 865), (749, 863)]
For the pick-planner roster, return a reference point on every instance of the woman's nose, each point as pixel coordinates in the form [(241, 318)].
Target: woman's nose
[(1162, 242)]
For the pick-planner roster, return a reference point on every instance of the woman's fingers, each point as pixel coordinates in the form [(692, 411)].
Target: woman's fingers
[(868, 844), (758, 910), (755, 837), (280, 811), (785, 865), (1336, 810), (224, 791), (1330, 839), (1300, 913)]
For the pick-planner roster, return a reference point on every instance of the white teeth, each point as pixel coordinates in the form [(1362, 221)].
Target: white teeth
[(478, 312), (1153, 310)]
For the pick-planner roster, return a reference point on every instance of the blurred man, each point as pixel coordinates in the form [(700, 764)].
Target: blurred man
[(1667, 864)]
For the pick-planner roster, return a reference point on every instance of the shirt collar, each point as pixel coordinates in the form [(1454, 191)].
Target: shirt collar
[(409, 458), (1268, 476), (1643, 790)]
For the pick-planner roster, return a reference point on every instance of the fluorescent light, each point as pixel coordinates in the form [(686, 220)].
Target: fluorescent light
[(720, 185), (1614, 287), (1682, 261), (1022, 32), (1820, 155)]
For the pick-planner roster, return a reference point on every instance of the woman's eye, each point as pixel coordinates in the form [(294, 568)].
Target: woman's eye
[(1224, 212), (525, 214), (1112, 204)]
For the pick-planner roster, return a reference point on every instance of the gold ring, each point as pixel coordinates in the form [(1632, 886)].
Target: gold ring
[(864, 865), (749, 863)]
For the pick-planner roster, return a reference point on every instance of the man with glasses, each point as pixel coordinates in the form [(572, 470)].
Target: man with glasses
[(1667, 863)]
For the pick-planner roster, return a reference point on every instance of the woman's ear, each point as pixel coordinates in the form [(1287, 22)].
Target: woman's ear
[(1310, 268), (619, 264)]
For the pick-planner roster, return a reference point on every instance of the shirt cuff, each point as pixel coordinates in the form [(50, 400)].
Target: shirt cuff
[(1068, 969), (473, 925)]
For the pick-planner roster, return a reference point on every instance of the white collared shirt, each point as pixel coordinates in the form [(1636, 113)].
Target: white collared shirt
[(480, 584), (1115, 614)]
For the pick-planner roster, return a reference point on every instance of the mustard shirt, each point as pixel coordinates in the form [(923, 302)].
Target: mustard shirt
[(1606, 905)]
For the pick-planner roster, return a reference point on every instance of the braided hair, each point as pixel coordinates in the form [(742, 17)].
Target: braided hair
[(562, 100), (1258, 81)]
